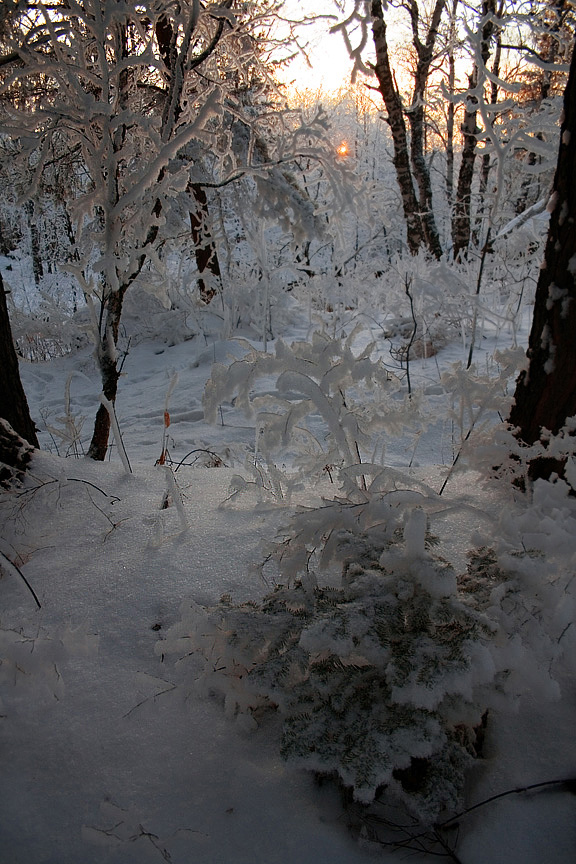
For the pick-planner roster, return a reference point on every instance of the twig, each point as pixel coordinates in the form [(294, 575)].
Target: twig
[(93, 485), (448, 849), (12, 568), (41, 485), (198, 450), (407, 286), (148, 698), (568, 782), (455, 461), (478, 286), (421, 840), (111, 409)]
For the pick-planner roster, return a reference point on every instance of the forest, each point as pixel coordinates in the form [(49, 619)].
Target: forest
[(287, 417)]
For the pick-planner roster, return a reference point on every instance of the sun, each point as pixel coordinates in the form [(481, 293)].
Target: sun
[(343, 150)]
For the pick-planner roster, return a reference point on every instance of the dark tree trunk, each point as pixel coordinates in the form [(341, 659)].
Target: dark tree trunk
[(174, 57), (393, 102), (462, 204), (209, 275), (109, 372), (461, 222), (13, 402), (15, 455), (450, 111), (549, 57), (37, 266), (425, 51), (486, 159), (546, 393)]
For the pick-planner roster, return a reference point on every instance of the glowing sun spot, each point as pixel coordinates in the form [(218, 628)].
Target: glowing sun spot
[(342, 149)]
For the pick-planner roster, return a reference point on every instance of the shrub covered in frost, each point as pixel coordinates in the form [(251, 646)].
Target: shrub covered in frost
[(318, 404), (381, 679)]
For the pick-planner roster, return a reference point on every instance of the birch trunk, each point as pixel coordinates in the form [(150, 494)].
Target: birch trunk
[(109, 372), (451, 109), (401, 160), (207, 262), (461, 221), (113, 289), (424, 51)]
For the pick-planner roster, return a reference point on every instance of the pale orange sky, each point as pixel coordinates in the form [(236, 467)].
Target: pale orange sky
[(331, 65)]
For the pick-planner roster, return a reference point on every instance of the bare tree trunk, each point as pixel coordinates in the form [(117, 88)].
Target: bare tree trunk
[(113, 293), (387, 87), (109, 371), (462, 204), (451, 109), (461, 221), (549, 56), (424, 51), (174, 57), (13, 402), (545, 394), (486, 160), (209, 274), (37, 266)]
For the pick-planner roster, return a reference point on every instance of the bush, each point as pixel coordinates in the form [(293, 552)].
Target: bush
[(381, 680)]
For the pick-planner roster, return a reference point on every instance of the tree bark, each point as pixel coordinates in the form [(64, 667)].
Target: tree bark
[(13, 402), (486, 159), (209, 274), (450, 111), (15, 455), (424, 51), (549, 56), (109, 372), (545, 395), (175, 58), (393, 102), (37, 266), (461, 222)]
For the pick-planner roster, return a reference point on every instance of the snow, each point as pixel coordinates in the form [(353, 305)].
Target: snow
[(119, 745), (109, 753), (415, 533)]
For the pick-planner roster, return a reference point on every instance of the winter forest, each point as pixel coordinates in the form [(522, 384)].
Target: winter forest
[(287, 431)]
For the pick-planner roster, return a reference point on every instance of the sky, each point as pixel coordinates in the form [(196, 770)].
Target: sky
[(329, 66)]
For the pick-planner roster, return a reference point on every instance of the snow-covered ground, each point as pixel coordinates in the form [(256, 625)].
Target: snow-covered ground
[(107, 753)]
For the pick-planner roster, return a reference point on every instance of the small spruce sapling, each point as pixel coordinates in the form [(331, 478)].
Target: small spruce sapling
[(380, 679)]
